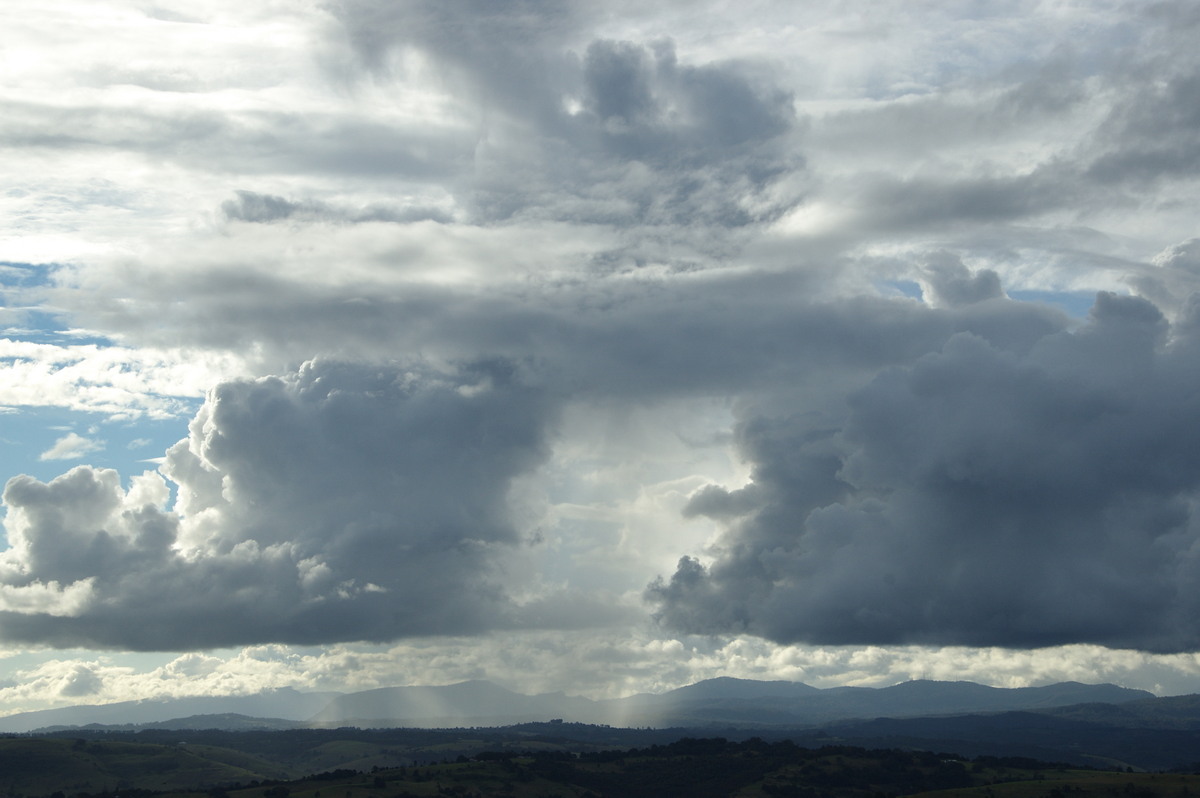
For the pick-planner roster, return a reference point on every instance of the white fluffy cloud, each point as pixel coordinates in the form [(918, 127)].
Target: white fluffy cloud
[(71, 446), (119, 382), (597, 665)]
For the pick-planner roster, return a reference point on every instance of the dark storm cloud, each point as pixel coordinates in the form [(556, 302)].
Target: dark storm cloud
[(979, 495), (342, 503)]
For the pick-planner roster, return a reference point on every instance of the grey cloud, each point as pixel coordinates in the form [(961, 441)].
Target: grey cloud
[(618, 79), (712, 137), (1034, 102), (1154, 134), (976, 472), (975, 496), (729, 334), (1065, 137), (260, 142), (344, 502), (250, 206), (925, 203), (1149, 136), (652, 108), (510, 56), (951, 284), (1172, 281)]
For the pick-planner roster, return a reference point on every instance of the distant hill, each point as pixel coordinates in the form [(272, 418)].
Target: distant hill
[(1169, 712), (228, 721), (714, 703), (747, 703), (284, 703), (1045, 734), (725, 687), (475, 703)]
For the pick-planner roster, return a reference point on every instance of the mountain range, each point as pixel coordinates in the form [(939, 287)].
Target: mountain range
[(714, 703)]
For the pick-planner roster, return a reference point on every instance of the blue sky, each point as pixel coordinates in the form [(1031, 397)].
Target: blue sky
[(40, 438), (596, 348)]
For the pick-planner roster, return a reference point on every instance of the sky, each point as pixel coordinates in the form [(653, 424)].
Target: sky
[(597, 347)]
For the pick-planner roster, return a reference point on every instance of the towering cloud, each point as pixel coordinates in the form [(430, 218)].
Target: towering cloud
[(342, 502), (982, 494)]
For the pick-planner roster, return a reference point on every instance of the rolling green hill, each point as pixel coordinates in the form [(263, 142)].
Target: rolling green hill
[(694, 767), (42, 765)]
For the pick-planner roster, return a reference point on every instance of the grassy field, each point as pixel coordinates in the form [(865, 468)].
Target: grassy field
[(1082, 784), (698, 768), (521, 779), (41, 766)]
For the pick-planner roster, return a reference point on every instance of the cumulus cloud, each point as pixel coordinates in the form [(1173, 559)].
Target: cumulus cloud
[(71, 446), (1172, 279), (344, 502), (81, 681), (978, 495)]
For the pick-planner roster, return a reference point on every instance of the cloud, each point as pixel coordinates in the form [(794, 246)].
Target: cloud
[(976, 471), (1171, 280), (265, 208), (597, 664), (978, 495), (117, 381), (343, 502), (547, 146), (597, 238), (586, 128), (71, 446), (82, 681)]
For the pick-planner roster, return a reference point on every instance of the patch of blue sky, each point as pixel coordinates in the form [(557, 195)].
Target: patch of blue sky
[(25, 318), (907, 288), (1074, 303), (25, 275), (30, 442), (45, 327), (16, 664), (47, 441)]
